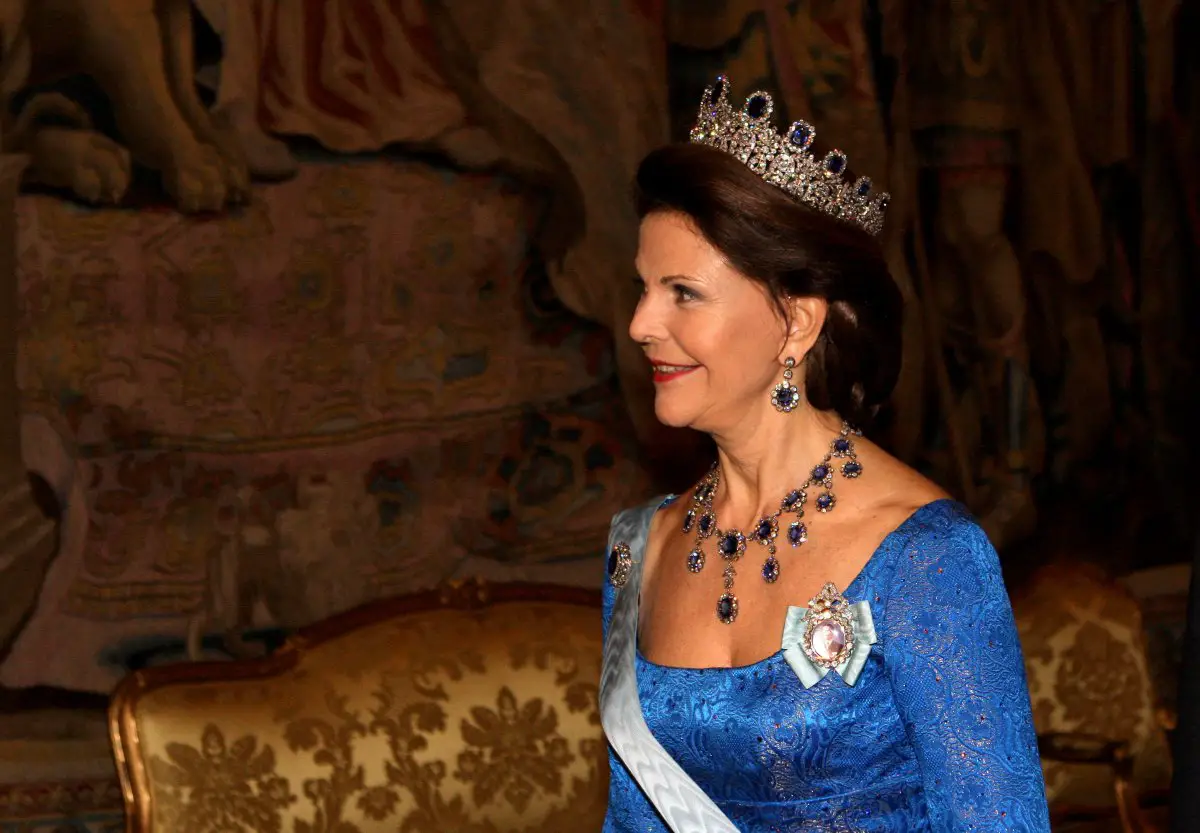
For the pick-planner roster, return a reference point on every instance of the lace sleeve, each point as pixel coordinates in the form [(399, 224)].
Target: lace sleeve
[(951, 649)]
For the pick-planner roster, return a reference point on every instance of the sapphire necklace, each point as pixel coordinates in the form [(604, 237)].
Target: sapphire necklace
[(731, 543)]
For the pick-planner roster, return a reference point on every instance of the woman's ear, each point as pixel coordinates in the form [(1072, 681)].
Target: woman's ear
[(806, 318)]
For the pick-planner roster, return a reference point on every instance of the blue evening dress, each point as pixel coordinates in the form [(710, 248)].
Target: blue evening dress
[(936, 733)]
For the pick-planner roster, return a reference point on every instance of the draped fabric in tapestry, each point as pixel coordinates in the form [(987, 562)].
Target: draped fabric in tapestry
[(361, 385), (479, 722)]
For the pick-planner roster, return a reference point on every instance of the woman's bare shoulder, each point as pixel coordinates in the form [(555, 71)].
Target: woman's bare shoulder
[(898, 488)]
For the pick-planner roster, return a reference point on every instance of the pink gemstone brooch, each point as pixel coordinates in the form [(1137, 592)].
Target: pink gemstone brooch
[(831, 633), (828, 628)]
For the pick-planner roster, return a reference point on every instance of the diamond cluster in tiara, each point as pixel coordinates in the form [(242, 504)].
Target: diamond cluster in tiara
[(785, 161)]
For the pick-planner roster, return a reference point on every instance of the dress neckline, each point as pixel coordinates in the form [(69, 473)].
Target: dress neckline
[(851, 590)]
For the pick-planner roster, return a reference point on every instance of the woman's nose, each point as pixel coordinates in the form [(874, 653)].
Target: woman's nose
[(644, 327)]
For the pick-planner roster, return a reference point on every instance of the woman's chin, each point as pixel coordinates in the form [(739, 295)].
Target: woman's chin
[(671, 415)]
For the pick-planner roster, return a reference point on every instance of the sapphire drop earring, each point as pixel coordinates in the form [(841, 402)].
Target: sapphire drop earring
[(786, 396)]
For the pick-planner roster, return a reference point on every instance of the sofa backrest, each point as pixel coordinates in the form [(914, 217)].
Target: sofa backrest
[(472, 708)]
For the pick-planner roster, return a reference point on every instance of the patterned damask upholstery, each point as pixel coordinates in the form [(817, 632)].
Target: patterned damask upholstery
[(1085, 656), (472, 710)]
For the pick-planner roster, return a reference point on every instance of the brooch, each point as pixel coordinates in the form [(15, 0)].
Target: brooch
[(828, 629), (831, 633), (620, 565)]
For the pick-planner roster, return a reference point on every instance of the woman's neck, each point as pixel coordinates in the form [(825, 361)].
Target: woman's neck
[(762, 465)]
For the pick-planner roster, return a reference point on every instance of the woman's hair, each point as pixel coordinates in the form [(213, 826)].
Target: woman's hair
[(795, 251)]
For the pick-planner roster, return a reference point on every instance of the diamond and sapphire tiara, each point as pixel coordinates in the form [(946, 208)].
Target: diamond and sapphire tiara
[(785, 161)]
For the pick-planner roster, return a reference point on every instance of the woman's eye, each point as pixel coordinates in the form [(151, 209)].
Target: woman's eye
[(639, 285), (682, 293)]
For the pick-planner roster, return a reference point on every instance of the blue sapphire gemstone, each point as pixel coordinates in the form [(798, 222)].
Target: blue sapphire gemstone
[(727, 608), (792, 500), (706, 522), (841, 445), (763, 532), (728, 545), (613, 560), (770, 570), (797, 534), (801, 135), (825, 502), (756, 107), (784, 397), (695, 561), (820, 472), (864, 187), (835, 163), (688, 520), (852, 469)]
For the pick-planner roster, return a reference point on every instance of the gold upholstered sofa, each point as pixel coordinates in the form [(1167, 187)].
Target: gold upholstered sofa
[(471, 709)]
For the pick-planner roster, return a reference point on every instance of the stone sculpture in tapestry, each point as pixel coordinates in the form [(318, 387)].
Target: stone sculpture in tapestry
[(140, 54)]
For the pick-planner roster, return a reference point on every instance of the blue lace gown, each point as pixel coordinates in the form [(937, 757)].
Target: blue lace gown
[(935, 734)]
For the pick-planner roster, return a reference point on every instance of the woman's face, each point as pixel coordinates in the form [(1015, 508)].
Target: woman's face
[(713, 337)]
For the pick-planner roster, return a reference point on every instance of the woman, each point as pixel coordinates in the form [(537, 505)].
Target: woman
[(861, 671)]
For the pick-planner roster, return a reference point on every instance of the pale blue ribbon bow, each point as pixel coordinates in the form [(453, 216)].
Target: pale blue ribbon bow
[(808, 671)]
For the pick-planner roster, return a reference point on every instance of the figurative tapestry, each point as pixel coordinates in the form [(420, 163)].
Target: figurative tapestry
[(364, 373)]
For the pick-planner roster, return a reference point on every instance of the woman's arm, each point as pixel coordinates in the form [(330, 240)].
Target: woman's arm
[(956, 668)]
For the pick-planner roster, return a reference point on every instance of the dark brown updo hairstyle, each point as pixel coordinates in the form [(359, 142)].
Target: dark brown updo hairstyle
[(796, 251)]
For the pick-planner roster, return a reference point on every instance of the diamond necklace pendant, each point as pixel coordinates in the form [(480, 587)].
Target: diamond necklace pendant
[(701, 519)]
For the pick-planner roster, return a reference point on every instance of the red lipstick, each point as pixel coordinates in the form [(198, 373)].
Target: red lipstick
[(665, 372)]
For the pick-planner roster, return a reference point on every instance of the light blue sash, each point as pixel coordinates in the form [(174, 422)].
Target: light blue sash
[(679, 800)]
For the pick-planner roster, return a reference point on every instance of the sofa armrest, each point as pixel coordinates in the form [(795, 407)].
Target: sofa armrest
[(1086, 748)]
